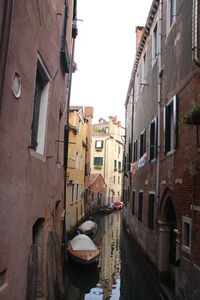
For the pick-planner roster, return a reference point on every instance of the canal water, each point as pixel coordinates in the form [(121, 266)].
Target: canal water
[(119, 272)]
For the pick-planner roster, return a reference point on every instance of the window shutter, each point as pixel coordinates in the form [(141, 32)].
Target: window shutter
[(167, 129), (175, 120), (156, 137)]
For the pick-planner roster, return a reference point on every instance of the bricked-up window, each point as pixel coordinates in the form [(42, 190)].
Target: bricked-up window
[(153, 139), (140, 206), (135, 148), (186, 234), (98, 161), (38, 126), (133, 202), (99, 144), (151, 211), (171, 125), (143, 143)]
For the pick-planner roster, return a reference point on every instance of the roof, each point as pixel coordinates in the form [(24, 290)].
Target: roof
[(93, 178), (75, 108)]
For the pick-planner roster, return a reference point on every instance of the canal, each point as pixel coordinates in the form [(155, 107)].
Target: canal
[(119, 272)]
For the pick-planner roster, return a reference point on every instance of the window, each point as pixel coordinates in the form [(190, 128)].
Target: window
[(119, 150), (72, 193), (155, 44), (99, 144), (119, 165), (144, 68), (40, 108), (77, 192), (140, 206), (135, 148), (171, 125), (76, 160), (151, 211), (133, 202), (142, 143), (153, 139), (98, 161), (65, 59), (115, 165), (171, 13), (79, 126), (186, 234), (118, 179)]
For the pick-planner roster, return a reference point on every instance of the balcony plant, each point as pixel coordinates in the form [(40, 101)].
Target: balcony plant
[(192, 117), (98, 167)]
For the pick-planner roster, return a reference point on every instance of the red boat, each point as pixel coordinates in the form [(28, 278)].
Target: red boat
[(118, 205)]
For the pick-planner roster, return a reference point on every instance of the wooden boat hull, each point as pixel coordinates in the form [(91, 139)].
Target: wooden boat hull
[(83, 256)]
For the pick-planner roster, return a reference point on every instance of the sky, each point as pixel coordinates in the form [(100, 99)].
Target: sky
[(105, 53)]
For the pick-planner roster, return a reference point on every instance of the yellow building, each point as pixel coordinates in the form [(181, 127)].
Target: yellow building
[(107, 155), (77, 148)]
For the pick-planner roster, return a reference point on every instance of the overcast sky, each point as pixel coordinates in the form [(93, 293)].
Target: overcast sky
[(105, 53)]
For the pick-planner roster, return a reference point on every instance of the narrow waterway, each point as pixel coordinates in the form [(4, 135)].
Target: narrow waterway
[(119, 272)]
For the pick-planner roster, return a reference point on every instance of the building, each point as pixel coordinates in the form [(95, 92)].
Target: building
[(107, 155), (36, 57), (77, 151), (162, 145), (95, 194)]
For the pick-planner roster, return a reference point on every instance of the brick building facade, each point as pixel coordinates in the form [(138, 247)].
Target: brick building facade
[(162, 150)]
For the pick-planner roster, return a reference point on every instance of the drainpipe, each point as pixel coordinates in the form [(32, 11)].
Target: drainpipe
[(195, 33), (66, 136), (4, 42), (158, 111)]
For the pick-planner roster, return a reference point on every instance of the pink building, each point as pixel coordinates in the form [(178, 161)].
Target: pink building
[(36, 58)]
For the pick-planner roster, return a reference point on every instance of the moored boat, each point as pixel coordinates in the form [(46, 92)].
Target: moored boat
[(82, 249), (106, 209), (117, 205), (88, 227)]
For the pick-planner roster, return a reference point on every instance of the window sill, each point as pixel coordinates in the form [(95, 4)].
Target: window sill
[(186, 249), (37, 155), (170, 152)]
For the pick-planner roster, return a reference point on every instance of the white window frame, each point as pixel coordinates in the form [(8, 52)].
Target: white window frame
[(44, 99), (173, 124), (155, 43), (72, 193), (186, 247), (171, 15)]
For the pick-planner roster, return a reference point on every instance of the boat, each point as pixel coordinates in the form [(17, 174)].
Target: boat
[(106, 209), (82, 249), (88, 227), (118, 205)]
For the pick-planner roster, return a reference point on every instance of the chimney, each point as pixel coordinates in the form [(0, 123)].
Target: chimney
[(139, 32)]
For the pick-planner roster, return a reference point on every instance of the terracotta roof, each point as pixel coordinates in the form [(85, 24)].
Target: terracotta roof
[(93, 178)]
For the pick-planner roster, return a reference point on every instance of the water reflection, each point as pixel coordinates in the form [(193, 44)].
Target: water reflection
[(118, 273)]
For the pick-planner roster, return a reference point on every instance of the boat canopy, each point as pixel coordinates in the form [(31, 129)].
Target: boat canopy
[(82, 242)]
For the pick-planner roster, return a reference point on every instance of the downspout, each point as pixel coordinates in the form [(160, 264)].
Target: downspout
[(4, 42), (66, 135), (158, 112), (195, 33)]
